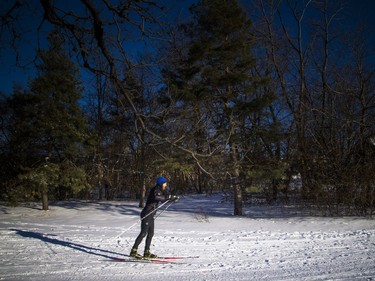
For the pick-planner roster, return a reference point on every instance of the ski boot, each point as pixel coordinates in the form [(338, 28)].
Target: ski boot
[(148, 255), (134, 254)]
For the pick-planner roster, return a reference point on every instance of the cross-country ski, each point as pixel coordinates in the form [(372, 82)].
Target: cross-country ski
[(166, 259)]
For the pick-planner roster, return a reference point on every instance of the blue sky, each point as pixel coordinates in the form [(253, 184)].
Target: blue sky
[(11, 74)]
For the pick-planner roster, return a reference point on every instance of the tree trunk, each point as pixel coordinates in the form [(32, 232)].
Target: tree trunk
[(238, 202), (237, 190), (143, 191), (45, 200), (100, 180), (142, 198)]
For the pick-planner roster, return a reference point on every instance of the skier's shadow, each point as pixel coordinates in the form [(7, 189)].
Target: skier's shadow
[(79, 247)]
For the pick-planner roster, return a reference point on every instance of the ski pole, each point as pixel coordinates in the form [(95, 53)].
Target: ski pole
[(164, 209), (126, 230), (152, 211)]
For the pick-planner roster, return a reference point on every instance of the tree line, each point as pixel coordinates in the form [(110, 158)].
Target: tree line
[(273, 98)]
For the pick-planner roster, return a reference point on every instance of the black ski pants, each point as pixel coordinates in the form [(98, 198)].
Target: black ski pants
[(147, 229)]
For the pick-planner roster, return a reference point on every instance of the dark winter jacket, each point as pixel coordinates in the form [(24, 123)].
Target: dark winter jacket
[(156, 195)]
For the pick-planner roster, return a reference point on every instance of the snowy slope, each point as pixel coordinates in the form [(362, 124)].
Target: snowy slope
[(80, 241)]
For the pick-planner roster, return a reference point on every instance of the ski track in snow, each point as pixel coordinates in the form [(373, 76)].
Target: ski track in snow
[(78, 241)]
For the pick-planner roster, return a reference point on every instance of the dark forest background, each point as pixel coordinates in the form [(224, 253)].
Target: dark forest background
[(266, 101)]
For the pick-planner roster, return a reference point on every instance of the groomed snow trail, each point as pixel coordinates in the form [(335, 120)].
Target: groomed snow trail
[(77, 241)]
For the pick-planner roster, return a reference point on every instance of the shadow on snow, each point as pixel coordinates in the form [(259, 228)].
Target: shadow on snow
[(75, 246)]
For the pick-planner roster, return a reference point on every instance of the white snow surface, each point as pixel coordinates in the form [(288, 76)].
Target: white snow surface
[(80, 240)]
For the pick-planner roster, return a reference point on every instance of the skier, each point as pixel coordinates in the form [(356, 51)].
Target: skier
[(159, 193)]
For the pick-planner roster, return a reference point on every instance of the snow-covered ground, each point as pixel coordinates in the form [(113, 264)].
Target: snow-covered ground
[(80, 241)]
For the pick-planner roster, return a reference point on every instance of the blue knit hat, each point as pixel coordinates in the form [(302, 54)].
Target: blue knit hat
[(161, 180)]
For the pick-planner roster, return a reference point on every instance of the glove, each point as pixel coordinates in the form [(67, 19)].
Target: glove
[(173, 198)]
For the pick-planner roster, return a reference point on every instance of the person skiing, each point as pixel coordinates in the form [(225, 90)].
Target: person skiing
[(159, 193)]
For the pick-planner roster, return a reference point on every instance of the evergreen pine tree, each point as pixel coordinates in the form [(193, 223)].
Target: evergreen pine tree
[(49, 127), (216, 73)]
